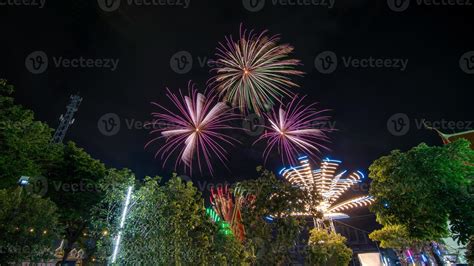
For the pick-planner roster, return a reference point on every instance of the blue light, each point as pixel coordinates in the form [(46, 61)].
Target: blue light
[(331, 160), (282, 170), (362, 174), (423, 257), (303, 157), (269, 218), (24, 181)]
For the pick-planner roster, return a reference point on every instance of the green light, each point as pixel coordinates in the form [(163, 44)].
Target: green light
[(223, 225)]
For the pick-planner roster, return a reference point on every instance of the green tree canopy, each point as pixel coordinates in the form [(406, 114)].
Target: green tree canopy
[(327, 248), (106, 214), (28, 226), (168, 225), (395, 237), (271, 241), (424, 188), (24, 143), (73, 184)]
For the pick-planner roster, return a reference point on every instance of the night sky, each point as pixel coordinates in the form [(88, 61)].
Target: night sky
[(433, 86)]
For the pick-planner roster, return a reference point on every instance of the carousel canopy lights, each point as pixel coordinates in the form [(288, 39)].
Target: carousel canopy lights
[(330, 184)]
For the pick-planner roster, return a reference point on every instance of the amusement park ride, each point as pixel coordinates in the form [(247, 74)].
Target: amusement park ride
[(330, 185)]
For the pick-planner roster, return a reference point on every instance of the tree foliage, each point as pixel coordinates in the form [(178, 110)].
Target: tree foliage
[(106, 214), (24, 143), (423, 188), (73, 184), (470, 251), (327, 248), (168, 225), (28, 226), (395, 237), (270, 242)]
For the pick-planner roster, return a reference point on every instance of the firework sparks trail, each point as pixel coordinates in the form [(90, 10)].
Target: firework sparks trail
[(194, 131), (254, 71), (295, 129)]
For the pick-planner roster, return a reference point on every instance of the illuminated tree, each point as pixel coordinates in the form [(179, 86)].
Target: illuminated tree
[(168, 225)]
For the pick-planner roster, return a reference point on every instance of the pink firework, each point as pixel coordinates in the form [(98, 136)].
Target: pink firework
[(194, 131), (295, 130), (254, 71)]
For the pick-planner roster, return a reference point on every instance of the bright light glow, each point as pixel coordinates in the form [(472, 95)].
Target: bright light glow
[(330, 183), (122, 223)]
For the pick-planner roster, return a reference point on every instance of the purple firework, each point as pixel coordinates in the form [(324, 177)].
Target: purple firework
[(295, 129), (194, 131)]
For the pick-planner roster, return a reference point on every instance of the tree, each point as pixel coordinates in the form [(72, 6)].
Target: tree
[(167, 225), (470, 251), (226, 249), (73, 184), (24, 143), (106, 214), (419, 192), (327, 248), (28, 227), (394, 236), (420, 189), (270, 233)]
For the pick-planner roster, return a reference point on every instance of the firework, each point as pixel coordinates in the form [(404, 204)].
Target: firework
[(330, 184), (295, 129), (194, 131), (254, 71)]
